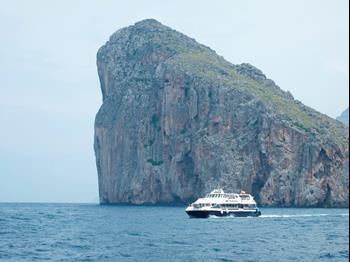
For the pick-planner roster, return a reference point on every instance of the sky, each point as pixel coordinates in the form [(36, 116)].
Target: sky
[(50, 89)]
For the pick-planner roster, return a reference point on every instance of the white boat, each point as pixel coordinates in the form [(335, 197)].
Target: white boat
[(219, 203)]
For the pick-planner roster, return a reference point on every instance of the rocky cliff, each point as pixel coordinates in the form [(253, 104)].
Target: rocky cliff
[(177, 120)]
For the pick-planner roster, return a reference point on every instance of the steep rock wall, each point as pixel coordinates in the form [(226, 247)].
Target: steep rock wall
[(177, 120)]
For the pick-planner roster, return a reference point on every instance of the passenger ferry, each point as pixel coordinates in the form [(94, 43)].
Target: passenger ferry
[(219, 203)]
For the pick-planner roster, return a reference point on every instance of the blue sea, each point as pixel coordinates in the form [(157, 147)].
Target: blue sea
[(89, 232)]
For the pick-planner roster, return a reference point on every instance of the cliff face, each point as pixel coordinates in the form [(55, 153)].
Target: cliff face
[(177, 120)]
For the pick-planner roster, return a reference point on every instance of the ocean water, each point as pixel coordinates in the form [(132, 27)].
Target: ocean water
[(88, 232)]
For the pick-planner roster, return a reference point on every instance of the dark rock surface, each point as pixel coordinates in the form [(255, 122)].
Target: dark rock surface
[(177, 120)]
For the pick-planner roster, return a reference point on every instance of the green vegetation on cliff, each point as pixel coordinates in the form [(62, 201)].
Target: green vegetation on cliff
[(211, 67)]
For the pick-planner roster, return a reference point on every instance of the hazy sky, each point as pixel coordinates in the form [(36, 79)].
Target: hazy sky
[(50, 89)]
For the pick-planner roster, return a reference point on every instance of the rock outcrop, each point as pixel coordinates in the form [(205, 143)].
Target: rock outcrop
[(344, 117), (177, 120)]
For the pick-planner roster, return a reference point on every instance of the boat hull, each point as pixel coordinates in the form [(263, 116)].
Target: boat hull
[(207, 213)]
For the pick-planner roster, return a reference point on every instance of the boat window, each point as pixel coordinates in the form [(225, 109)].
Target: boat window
[(249, 206), (244, 197)]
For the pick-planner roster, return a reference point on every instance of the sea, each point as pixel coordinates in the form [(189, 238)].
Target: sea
[(90, 232)]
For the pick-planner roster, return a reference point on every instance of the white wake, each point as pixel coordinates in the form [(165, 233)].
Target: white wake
[(301, 215)]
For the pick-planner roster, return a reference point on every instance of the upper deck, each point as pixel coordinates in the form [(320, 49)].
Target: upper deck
[(218, 196)]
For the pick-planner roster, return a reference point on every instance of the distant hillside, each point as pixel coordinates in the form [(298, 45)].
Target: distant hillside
[(344, 117)]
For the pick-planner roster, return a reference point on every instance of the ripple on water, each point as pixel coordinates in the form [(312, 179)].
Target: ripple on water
[(134, 234), (344, 253), (176, 242), (21, 218), (226, 260), (150, 245), (327, 255), (125, 254)]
